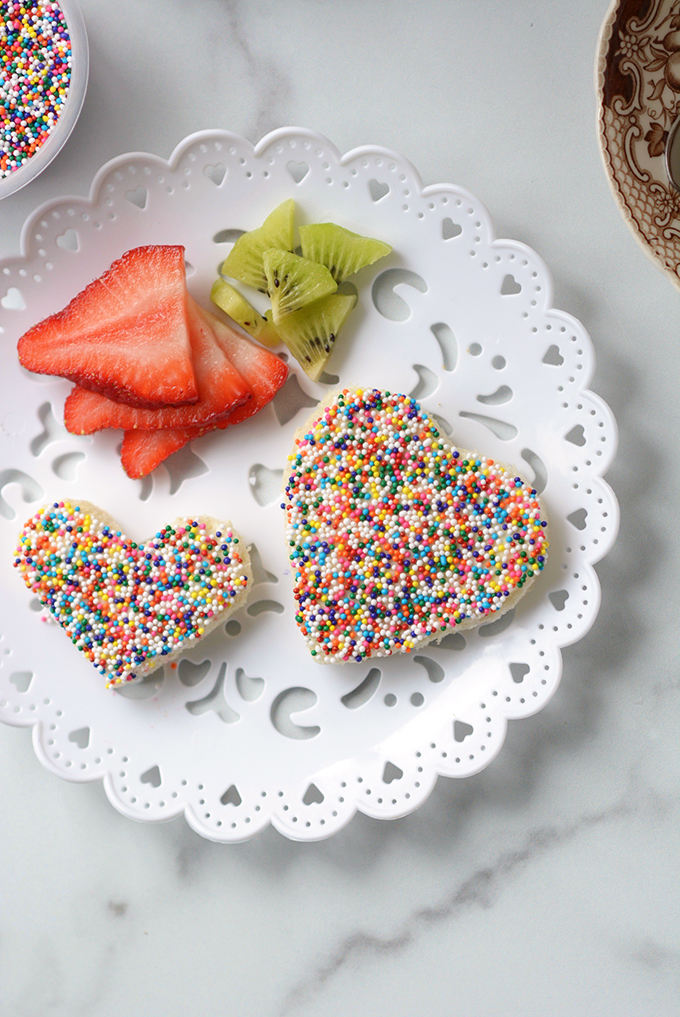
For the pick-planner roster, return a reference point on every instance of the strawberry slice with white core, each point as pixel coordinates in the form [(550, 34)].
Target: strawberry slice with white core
[(221, 389), (263, 370), (143, 451), (125, 335)]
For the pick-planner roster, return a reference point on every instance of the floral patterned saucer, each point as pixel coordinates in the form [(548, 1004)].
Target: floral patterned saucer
[(638, 85)]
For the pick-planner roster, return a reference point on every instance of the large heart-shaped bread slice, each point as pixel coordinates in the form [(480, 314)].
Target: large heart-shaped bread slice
[(397, 537), (130, 607)]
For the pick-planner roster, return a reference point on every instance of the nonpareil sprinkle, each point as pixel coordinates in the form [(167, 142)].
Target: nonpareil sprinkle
[(395, 537), (35, 74), (126, 606)]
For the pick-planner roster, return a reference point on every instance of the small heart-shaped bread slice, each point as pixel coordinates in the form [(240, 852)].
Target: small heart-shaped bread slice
[(131, 607), (395, 536)]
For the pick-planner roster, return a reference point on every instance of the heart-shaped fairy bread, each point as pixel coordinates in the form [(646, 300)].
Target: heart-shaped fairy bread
[(130, 607), (395, 536)]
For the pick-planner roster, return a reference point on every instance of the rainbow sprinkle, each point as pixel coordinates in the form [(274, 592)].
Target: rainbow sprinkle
[(394, 536), (121, 603), (35, 73)]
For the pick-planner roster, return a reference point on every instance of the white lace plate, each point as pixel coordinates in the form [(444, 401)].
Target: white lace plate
[(248, 729)]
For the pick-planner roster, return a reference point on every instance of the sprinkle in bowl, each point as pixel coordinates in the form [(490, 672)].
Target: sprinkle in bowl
[(43, 79)]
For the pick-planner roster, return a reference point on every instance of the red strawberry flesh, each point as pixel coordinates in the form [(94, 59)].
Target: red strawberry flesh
[(125, 335), (143, 451), (221, 389)]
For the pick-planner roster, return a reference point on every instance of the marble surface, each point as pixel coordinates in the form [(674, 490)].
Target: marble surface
[(548, 883)]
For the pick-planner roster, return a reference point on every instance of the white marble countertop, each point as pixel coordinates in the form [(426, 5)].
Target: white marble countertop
[(548, 883)]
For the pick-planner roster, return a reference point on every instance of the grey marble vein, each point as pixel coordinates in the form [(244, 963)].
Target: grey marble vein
[(651, 955), (272, 87), (479, 890)]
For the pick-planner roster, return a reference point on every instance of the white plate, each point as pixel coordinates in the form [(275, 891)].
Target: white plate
[(249, 729)]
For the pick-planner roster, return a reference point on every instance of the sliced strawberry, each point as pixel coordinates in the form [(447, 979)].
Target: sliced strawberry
[(125, 335), (262, 369), (143, 451), (221, 388)]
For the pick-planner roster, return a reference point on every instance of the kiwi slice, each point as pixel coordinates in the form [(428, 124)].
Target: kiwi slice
[(310, 332), (269, 336), (293, 281), (341, 251), (244, 261), (237, 307), (243, 313)]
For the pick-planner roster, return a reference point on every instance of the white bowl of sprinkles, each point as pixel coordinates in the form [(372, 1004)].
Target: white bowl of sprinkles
[(44, 64)]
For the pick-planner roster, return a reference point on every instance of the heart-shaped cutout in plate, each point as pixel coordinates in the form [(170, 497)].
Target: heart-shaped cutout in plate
[(127, 606), (395, 536)]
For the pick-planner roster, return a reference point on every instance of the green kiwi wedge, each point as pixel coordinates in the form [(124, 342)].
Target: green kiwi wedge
[(237, 307), (244, 261), (293, 281), (310, 332), (269, 336), (341, 251)]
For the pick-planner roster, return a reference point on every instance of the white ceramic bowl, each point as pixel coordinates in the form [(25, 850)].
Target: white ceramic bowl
[(72, 107)]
